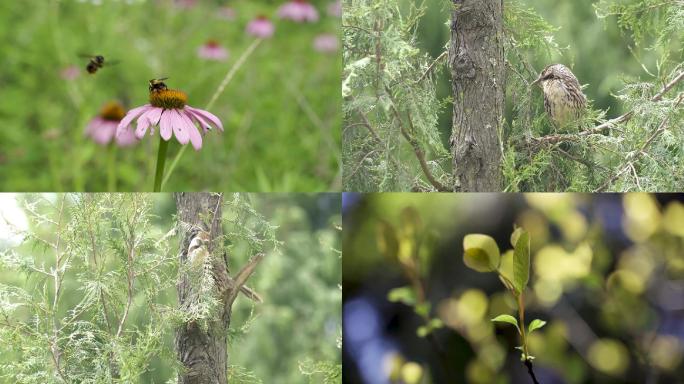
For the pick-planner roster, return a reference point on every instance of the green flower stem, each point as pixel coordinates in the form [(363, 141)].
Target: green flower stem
[(111, 168), (161, 159), (229, 76)]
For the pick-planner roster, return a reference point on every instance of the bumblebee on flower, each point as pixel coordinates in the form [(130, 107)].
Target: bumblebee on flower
[(168, 109)]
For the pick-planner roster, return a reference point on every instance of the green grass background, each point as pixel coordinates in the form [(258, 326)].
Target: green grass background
[(280, 112)]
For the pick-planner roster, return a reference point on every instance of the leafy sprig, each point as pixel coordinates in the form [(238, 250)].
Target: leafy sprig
[(482, 254)]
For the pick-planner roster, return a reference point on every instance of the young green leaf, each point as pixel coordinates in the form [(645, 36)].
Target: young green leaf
[(433, 324), (410, 221), (516, 235), (506, 271), (507, 319), (521, 261), (423, 331), (386, 238), (402, 295), (422, 309), (536, 324), (481, 253)]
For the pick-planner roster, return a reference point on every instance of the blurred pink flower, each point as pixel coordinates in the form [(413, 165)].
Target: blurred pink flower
[(226, 13), (103, 127), (260, 27), (187, 4), (70, 72), (326, 43), (299, 11), (335, 9), (168, 110), (212, 50)]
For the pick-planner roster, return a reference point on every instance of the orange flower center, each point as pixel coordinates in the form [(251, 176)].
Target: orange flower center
[(113, 110), (168, 99)]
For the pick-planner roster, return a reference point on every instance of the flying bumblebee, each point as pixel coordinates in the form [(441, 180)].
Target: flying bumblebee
[(157, 85), (96, 62)]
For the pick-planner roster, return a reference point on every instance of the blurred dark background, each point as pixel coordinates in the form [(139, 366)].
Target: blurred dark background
[(607, 274)]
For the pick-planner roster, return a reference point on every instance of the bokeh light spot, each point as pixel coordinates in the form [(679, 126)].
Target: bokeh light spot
[(608, 356)]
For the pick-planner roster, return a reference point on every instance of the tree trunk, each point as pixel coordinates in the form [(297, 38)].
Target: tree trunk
[(203, 354), (476, 59)]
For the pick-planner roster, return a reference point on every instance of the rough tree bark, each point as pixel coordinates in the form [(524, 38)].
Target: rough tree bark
[(204, 355), (476, 59)]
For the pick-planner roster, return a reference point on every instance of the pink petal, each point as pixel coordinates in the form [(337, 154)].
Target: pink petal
[(165, 124), (101, 130), (131, 115), (200, 120), (207, 115), (195, 137), (143, 124), (154, 115), (179, 128)]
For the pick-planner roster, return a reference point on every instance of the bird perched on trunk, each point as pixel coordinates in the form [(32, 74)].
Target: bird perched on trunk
[(564, 101), (201, 267)]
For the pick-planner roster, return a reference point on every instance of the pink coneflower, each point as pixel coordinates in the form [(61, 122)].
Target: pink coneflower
[(212, 50), (326, 43), (168, 110), (226, 13), (299, 11), (335, 9), (102, 128), (260, 27), (70, 72)]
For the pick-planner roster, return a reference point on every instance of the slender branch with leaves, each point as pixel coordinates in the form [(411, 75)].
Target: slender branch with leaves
[(481, 253)]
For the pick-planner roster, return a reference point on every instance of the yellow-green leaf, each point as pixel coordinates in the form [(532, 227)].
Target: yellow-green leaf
[(410, 221), (507, 319), (404, 295), (521, 261), (516, 235), (536, 324), (386, 238), (481, 252)]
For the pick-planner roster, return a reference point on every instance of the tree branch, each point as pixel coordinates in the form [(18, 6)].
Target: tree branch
[(432, 66), (130, 277), (241, 277), (530, 370), (635, 155), (420, 155)]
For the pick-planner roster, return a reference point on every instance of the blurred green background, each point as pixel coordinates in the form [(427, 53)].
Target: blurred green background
[(597, 51), (280, 111), (278, 341), (607, 274)]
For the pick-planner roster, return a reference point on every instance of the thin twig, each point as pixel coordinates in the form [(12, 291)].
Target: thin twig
[(370, 128), (635, 155), (431, 66), (130, 277), (530, 370), (54, 349), (241, 278), (416, 146)]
